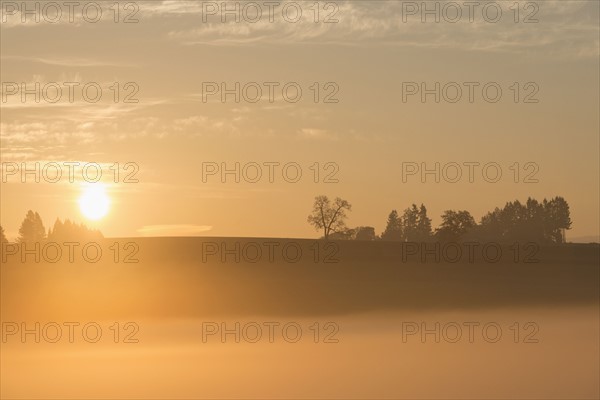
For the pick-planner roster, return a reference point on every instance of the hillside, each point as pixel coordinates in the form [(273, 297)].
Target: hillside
[(184, 277)]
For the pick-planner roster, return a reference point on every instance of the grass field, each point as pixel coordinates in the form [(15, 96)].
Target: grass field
[(355, 314)]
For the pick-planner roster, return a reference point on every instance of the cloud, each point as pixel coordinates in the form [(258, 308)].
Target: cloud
[(565, 28), (48, 134), (51, 133), (190, 122), (173, 7), (174, 230), (311, 133), (66, 61)]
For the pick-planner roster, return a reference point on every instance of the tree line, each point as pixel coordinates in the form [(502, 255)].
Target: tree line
[(540, 222), (32, 230)]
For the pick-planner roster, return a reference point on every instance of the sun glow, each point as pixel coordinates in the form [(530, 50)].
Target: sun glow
[(94, 202)]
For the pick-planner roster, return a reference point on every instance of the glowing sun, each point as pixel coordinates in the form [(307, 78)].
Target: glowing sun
[(94, 203)]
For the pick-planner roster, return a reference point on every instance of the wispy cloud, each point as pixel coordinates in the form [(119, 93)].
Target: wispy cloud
[(66, 61), (174, 230), (565, 27), (311, 133)]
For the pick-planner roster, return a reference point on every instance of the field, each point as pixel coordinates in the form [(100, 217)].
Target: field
[(362, 316)]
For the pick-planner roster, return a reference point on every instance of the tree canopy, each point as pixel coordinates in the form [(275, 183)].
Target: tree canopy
[(330, 217), (542, 222), (32, 228)]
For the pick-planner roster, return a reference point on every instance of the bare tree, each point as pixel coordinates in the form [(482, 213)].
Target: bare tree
[(329, 217)]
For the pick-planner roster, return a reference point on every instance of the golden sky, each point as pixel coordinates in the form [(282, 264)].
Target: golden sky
[(367, 134)]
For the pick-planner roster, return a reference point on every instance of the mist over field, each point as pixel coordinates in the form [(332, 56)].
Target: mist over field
[(370, 360), (367, 325)]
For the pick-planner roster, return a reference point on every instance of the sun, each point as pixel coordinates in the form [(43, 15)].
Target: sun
[(94, 202)]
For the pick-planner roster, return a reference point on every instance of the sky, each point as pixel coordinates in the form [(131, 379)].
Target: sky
[(360, 122)]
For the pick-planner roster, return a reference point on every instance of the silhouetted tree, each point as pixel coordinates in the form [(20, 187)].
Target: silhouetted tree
[(543, 222), (454, 225), (511, 219), (365, 233), (490, 227), (344, 234), (329, 217), (558, 219), (534, 229), (423, 232), (393, 229), (32, 229), (410, 220), (68, 230), (3, 238)]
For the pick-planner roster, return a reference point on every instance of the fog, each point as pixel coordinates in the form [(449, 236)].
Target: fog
[(371, 359)]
